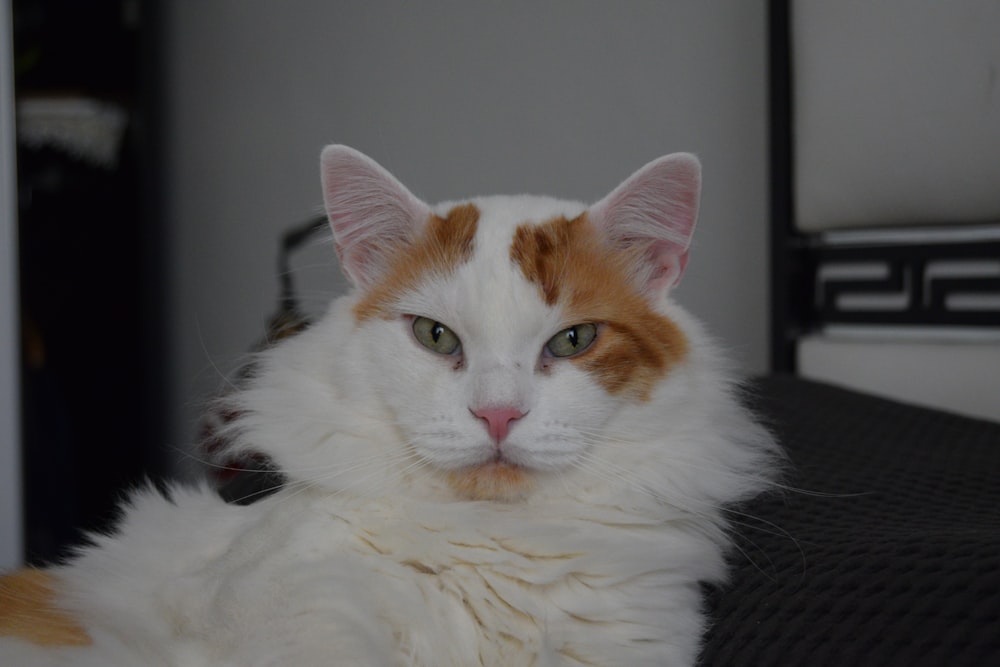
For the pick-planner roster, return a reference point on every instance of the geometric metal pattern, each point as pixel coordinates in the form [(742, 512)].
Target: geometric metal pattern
[(926, 284), (943, 277)]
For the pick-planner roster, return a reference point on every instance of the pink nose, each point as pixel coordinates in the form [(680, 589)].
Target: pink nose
[(498, 420)]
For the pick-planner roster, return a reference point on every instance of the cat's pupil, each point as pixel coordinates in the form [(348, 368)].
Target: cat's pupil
[(436, 331), (572, 336)]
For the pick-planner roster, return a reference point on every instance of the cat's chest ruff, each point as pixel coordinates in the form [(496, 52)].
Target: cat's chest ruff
[(522, 585), (454, 574), (479, 584)]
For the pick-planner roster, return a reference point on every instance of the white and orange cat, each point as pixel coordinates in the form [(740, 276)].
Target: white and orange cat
[(506, 446)]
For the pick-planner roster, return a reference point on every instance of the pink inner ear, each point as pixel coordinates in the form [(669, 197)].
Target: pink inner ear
[(657, 208), (669, 264)]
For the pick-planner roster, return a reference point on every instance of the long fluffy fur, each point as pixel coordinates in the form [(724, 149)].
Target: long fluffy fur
[(367, 557)]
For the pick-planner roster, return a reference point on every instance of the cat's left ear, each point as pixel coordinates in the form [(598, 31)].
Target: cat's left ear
[(654, 211)]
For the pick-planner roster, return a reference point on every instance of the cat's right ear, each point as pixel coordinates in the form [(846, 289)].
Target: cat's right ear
[(371, 213)]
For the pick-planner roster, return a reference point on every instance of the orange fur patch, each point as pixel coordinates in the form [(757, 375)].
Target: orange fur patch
[(572, 265), (445, 244), (492, 481), (28, 610)]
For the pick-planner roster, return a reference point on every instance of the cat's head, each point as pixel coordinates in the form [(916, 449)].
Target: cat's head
[(503, 333)]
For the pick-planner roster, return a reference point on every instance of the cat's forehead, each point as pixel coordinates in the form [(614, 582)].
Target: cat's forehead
[(499, 214), (500, 262), (465, 242)]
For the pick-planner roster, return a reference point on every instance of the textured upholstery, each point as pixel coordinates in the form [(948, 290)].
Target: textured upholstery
[(885, 551)]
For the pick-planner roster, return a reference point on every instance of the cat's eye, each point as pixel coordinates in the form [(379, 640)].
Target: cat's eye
[(572, 341), (435, 336)]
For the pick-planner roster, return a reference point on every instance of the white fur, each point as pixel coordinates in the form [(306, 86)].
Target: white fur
[(368, 557)]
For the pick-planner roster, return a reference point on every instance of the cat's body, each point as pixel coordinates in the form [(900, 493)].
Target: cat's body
[(506, 447)]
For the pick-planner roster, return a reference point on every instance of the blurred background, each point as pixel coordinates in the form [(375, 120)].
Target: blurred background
[(163, 147), (155, 153)]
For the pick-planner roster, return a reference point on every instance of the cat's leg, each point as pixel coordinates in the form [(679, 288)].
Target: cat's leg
[(332, 642), (20, 653), (307, 615), (322, 640)]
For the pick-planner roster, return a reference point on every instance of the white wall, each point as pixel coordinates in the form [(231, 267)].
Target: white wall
[(11, 545), (958, 373), (457, 99)]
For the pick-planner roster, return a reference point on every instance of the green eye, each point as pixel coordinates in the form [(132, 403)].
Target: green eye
[(435, 336), (571, 341)]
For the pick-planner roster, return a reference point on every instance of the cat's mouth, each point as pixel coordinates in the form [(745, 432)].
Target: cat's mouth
[(497, 480)]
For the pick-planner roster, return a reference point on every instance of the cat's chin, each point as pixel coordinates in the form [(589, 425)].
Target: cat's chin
[(497, 480)]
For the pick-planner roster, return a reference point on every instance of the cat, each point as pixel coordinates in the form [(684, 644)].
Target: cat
[(506, 445)]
